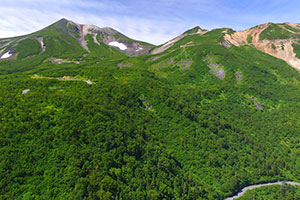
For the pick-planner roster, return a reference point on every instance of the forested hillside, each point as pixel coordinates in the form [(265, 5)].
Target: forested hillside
[(200, 120)]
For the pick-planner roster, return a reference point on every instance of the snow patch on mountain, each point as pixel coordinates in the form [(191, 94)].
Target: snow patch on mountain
[(139, 49), (118, 44), (6, 55)]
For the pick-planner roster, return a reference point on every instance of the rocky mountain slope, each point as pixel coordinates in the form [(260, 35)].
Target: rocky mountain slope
[(278, 40), (69, 33), (193, 31)]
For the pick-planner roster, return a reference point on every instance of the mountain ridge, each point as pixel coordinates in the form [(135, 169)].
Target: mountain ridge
[(66, 28), (280, 45), (135, 48)]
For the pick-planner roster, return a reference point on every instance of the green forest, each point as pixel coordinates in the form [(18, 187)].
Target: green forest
[(193, 122)]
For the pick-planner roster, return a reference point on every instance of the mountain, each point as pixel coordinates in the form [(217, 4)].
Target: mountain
[(66, 38), (278, 40), (199, 117), (193, 31)]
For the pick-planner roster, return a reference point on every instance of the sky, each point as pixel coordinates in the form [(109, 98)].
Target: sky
[(155, 21)]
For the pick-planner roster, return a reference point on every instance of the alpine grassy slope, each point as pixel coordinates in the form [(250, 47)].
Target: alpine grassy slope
[(199, 120)]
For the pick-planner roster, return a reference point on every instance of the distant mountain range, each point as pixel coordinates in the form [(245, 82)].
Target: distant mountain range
[(278, 40)]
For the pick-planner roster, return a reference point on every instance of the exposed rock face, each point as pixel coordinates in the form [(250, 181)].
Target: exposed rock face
[(108, 35), (279, 48), (215, 68), (240, 38), (41, 41), (95, 39), (4, 43)]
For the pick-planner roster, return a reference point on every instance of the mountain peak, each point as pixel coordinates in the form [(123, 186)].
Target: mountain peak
[(70, 36), (195, 30), (87, 28), (63, 20)]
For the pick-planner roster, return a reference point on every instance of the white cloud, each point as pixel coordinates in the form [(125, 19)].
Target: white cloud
[(14, 22), (150, 21)]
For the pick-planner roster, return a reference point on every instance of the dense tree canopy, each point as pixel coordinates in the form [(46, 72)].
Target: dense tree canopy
[(151, 127)]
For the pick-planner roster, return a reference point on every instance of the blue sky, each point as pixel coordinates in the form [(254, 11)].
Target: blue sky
[(153, 21)]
